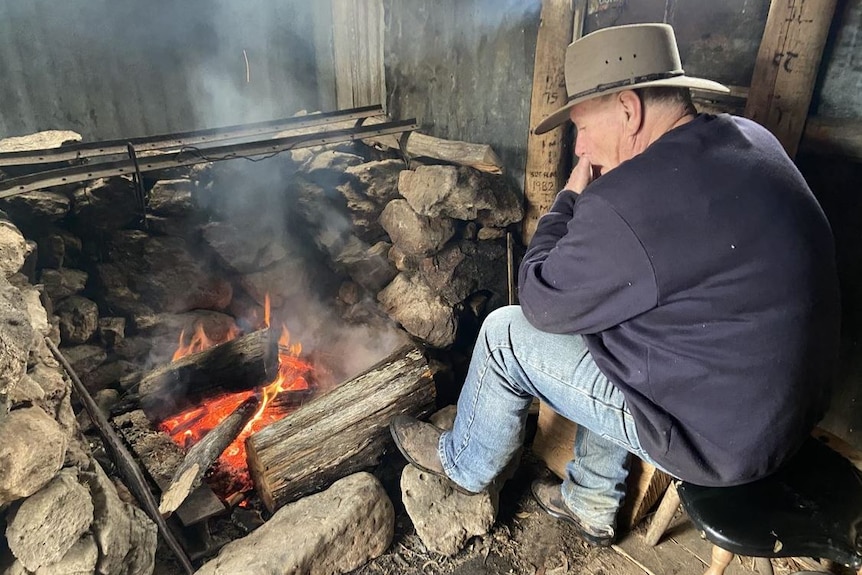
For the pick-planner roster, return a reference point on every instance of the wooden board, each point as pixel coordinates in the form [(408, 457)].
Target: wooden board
[(357, 38), (786, 67), (682, 552), (554, 444), (545, 154)]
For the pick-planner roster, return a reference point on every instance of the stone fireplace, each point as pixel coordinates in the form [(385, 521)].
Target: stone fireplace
[(348, 251)]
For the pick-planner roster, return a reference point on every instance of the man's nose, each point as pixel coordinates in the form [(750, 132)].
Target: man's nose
[(580, 146)]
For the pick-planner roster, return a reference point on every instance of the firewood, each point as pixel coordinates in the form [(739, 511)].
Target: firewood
[(199, 458), (237, 365), (338, 433), (479, 156)]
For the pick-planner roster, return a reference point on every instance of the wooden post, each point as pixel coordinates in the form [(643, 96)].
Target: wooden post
[(546, 153), (786, 67)]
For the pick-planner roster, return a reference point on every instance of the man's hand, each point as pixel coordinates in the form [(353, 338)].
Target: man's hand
[(580, 177)]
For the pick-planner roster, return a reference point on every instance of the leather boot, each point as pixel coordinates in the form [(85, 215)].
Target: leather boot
[(417, 441), (549, 495)]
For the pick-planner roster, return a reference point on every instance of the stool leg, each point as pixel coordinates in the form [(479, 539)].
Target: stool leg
[(721, 558), (763, 565), (662, 518)]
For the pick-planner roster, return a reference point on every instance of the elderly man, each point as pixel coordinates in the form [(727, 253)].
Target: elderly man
[(679, 301)]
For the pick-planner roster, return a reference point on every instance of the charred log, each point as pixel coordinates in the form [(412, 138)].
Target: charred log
[(202, 455), (237, 365), (338, 433)]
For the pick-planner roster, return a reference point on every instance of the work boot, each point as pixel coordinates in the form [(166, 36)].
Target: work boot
[(548, 493), (417, 441)]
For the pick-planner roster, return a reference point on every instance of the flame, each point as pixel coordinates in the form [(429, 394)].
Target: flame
[(190, 426)]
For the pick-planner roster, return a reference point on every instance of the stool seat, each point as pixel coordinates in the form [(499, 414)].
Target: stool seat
[(811, 507)]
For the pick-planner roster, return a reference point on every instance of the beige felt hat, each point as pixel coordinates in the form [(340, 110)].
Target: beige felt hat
[(622, 58)]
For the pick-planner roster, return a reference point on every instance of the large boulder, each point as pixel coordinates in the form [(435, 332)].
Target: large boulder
[(414, 233), (27, 465), (410, 302)]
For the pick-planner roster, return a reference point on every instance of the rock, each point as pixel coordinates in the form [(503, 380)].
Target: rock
[(367, 190), (79, 319), (490, 234), (35, 310), (445, 519), (243, 252), (283, 282), (38, 209), (162, 273), (331, 532), (419, 310), (369, 267), (26, 465), (39, 141), (327, 168), (172, 198), (51, 380), (107, 375), (116, 295), (459, 270), (462, 193), (126, 540), (63, 283), (58, 248), (79, 560), (112, 331), (37, 542), (27, 391), (106, 204), (404, 262), (415, 234), (13, 248), (377, 180), (85, 358), (16, 335)]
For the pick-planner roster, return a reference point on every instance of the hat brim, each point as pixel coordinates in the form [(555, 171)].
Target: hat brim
[(561, 115)]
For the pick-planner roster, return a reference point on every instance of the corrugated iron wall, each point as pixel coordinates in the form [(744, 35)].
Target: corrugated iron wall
[(122, 68)]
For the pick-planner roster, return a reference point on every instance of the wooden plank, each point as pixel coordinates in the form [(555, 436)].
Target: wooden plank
[(682, 552), (546, 153), (357, 41), (786, 67), (554, 444)]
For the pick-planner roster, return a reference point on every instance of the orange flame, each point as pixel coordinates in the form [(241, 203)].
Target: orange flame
[(190, 426)]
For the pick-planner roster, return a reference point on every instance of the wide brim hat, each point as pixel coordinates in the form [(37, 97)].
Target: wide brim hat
[(622, 58)]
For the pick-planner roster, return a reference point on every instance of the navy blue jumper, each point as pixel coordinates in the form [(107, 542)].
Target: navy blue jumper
[(702, 275)]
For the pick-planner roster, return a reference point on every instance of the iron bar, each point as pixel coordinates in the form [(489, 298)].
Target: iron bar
[(189, 155), (189, 138)]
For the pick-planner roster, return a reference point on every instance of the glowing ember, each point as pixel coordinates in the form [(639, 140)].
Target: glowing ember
[(190, 426)]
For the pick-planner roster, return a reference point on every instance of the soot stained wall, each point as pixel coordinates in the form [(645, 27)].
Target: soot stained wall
[(121, 68), (464, 69)]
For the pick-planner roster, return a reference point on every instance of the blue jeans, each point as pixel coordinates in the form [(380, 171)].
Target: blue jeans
[(514, 362)]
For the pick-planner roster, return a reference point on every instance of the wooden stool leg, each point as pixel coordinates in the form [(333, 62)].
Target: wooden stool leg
[(763, 565), (662, 518), (721, 558)]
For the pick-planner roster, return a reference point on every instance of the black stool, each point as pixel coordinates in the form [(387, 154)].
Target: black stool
[(812, 507)]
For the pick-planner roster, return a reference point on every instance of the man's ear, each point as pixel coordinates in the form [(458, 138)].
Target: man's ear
[(632, 107)]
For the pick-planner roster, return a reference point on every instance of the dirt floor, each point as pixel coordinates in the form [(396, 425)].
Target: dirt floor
[(527, 541)]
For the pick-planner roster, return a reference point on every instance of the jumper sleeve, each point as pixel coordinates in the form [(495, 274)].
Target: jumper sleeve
[(585, 270)]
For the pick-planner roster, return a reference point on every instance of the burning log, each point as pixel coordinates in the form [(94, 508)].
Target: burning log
[(338, 433), (199, 458), (240, 364)]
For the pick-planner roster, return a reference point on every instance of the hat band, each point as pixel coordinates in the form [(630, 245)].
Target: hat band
[(626, 82)]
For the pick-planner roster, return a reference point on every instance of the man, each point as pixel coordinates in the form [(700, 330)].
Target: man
[(679, 301)]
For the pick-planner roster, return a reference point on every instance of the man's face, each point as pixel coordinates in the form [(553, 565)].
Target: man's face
[(599, 123)]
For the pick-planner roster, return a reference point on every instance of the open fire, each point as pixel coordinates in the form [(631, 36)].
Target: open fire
[(230, 474)]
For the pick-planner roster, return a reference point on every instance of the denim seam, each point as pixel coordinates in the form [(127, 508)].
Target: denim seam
[(580, 391)]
